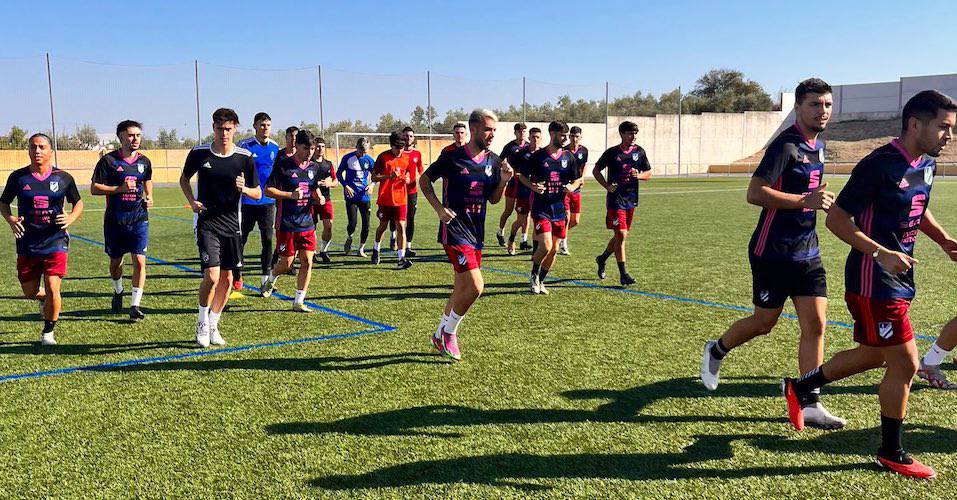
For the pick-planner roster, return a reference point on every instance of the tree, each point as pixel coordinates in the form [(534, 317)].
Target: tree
[(727, 91), (420, 122), (15, 139), (86, 138), (388, 123)]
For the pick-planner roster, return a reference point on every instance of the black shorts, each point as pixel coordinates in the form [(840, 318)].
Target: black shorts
[(775, 281), (216, 250)]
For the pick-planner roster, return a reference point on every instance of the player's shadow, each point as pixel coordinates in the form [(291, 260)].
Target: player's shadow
[(67, 349), (323, 364), (402, 295)]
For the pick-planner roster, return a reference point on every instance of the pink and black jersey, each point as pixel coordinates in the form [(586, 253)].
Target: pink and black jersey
[(113, 170), (294, 216), (39, 202), (467, 185), (887, 194), (555, 171), (620, 164), (791, 164), (581, 156), (521, 161)]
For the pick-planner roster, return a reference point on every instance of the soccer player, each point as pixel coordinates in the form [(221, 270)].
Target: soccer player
[(295, 182), (459, 137), (260, 212), (323, 211), (224, 173), (627, 164), (392, 173), (508, 154), (573, 202), (290, 148), (125, 177), (472, 176), (355, 174), (783, 251), (40, 227), (523, 195), (553, 173), (879, 213), (415, 169)]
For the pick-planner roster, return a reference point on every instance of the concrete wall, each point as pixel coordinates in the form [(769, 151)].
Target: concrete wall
[(884, 100)]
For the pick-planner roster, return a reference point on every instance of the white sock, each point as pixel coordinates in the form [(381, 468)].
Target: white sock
[(117, 286), (452, 324), (271, 278), (377, 245), (392, 234), (214, 319), (408, 246), (300, 296), (265, 279), (501, 231), (524, 237), (935, 355), (203, 315), (442, 323), (325, 245), (137, 296), (401, 253)]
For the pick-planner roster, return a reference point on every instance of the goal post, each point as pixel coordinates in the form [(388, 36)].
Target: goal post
[(434, 144)]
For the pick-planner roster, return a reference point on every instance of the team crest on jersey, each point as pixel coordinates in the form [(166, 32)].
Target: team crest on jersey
[(634, 157), (488, 170), (55, 186), (885, 329), (928, 175), (579, 156), (564, 163), (311, 174), (139, 166)]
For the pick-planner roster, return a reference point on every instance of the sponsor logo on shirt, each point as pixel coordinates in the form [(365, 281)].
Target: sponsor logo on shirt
[(207, 165), (27, 188), (904, 184), (885, 329), (119, 168)]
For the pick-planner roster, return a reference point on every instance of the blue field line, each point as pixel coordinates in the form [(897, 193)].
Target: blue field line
[(186, 355)]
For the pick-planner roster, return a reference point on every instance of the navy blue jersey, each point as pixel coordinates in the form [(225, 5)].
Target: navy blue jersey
[(294, 216), (581, 156), (554, 171), (511, 149), (325, 172), (792, 165), (264, 155), (216, 186), (356, 172), (112, 170), (521, 162), (620, 164), (39, 201), (887, 194), (466, 187)]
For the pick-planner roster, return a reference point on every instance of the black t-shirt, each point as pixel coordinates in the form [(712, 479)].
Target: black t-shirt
[(620, 163), (581, 156), (39, 202), (113, 170), (295, 216), (325, 172), (467, 186), (554, 172), (216, 186)]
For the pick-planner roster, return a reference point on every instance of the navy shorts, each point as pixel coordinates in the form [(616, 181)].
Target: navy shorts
[(122, 239), (773, 282)]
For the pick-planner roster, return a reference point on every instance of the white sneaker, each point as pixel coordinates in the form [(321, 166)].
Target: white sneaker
[(534, 284), (269, 286), (563, 247), (541, 288), (362, 252), (215, 337), (817, 415), (47, 339), (710, 367), (202, 335), (300, 307)]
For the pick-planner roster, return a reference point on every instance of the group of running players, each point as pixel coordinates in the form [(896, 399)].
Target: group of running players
[(287, 190)]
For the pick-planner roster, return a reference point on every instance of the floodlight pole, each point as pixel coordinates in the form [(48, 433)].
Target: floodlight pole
[(606, 115), (679, 130), (52, 114), (428, 108), (322, 123), (199, 131), (524, 120)]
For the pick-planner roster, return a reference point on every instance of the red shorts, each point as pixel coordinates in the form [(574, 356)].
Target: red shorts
[(573, 202), (288, 242), (394, 214), (558, 228), (31, 267), (511, 189), (324, 212), (619, 218), (463, 257), (523, 205), (880, 322)]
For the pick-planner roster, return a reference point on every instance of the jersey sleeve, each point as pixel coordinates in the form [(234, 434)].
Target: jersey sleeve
[(100, 171), (250, 172), (342, 168), (438, 168), (604, 161), (643, 164), (773, 163), (379, 167), (148, 170), (72, 194), (191, 166), (861, 188), (273, 180), (9, 189)]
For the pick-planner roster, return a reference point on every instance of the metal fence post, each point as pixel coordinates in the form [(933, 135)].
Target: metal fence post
[(52, 114), (199, 132), (428, 108), (322, 122), (679, 131), (524, 118), (606, 116)]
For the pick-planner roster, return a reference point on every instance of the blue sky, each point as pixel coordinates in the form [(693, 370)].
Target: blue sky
[(375, 54)]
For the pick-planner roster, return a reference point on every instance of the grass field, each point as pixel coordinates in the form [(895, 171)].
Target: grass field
[(588, 392)]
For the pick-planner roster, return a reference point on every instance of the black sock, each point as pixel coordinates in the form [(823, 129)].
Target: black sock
[(811, 380), (536, 267), (541, 274), (810, 399), (621, 269), (604, 255), (891, 430), (48, 326), (719, 350)]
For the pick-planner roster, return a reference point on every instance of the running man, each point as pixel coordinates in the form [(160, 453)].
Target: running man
[(323, 211), (523, 195), (40, 227), (472, 176), (125, 177), (509, 152), (392, 173), (783, 251), (415, 169), (224, 173), (295, 182), (355, 174), (261, 212), (879, 213), (459, 137), (553, 173), (573, 202), (627, 164)]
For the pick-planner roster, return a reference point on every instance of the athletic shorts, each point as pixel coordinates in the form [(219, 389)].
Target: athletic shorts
[(511, 189), (774, 281), (324, 211), (880, 322), (619, 218), (31, 267), (392, 214), (573, 202), (289, 242), (121, 239), (523, 205), (215, 250), (558, 228), (463, 257)]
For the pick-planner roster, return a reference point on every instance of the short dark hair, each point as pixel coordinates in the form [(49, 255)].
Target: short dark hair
[(534, 130), (125, 124), (408, 129), (627, 126), (575, 130), (396, 139), (318, 140), (520, 126), (811, 86), (260, 116), (223, 115), (925, 105), (40, 134), (292, 130), (304, 138), (557, 126), (458, 125)]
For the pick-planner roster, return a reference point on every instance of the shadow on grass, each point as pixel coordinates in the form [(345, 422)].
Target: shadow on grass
[(63, 349), (332, 363)]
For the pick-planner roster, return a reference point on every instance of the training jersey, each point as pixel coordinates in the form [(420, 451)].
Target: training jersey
[(521, 162), (620, 163), (325, 172), (415, 168), (555, 171), (39, 202), (216, 186), (887, 194), (791, 164), (294, 216), (581, 156), (112, 170), (356, 172), (450, 147), (509, 154), (392, 192), (264, 155), (467, 186)]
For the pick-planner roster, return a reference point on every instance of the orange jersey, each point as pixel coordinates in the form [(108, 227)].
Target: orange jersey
[(415, 168), (393, 192)]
